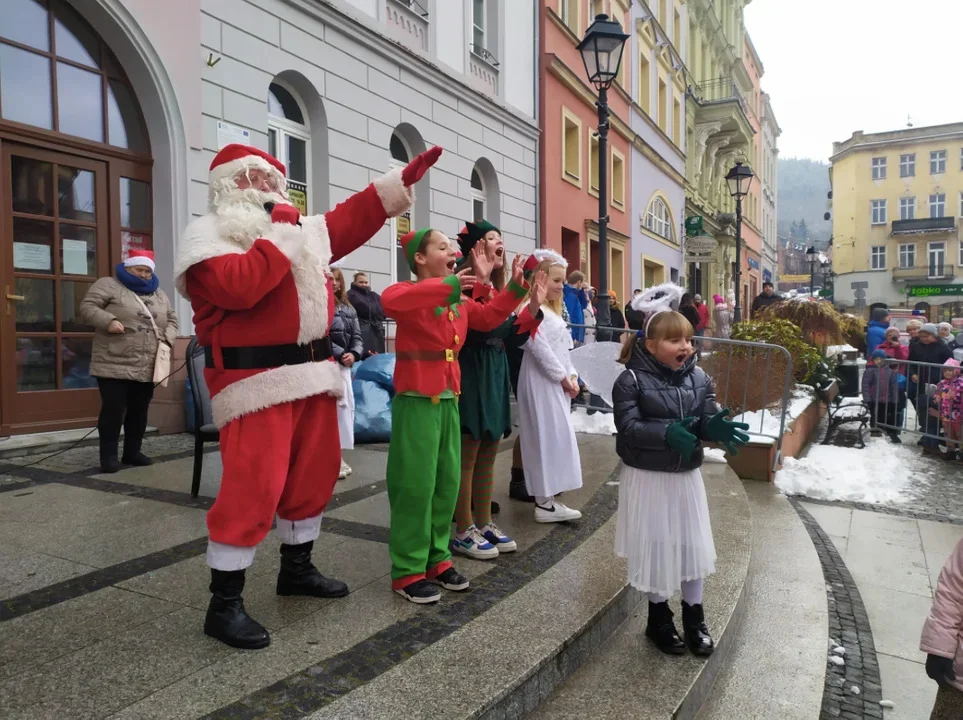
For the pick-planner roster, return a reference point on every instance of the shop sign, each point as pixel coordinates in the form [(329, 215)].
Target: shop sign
[(700, 245), (767, 275), (693, 225), (227, 134), (298, 195), (753, 263), (934, 290), (403, 225), (698, 259)]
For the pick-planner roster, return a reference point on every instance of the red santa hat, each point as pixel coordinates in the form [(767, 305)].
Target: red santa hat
[(140, 258), (235, 158)]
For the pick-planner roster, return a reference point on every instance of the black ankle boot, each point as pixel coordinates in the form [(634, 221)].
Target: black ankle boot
[(226, 619), (697, 637), (517, 489), (108, 457), (137, 459), (299, 577), (660, 629)]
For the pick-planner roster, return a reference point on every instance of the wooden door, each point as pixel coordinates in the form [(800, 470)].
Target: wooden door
[(55, 244)]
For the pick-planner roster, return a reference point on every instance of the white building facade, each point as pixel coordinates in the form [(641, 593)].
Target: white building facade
[(122, 105), (769, 177)]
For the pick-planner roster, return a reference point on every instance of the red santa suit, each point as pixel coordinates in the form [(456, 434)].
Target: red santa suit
[(261, 292)]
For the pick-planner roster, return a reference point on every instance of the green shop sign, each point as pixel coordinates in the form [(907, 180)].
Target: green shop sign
[(693, 225), (935, 290)]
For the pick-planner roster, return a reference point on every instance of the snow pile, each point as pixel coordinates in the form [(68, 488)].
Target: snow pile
[(879, 473), (715, 455), (834, 350), (600, 423), (836, 660), (765, 423)]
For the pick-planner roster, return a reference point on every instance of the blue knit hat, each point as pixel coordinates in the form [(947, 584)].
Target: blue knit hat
[(879, 354)]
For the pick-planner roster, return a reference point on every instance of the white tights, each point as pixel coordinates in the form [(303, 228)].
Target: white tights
[(691, 593)]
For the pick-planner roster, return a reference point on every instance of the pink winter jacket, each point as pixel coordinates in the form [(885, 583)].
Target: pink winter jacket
[(943, 629)]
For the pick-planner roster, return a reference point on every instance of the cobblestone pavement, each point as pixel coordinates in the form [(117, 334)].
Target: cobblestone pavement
[(82, 458)]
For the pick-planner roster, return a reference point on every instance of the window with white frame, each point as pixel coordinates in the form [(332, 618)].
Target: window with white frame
[(960, 253), (937, 162), (907, 165), (618, 180), (657, 219), (477, 195), (937, 252), (907, 255), (907, 208), (879, 212), (595, 7), (937, 205), (879, 168), (478, 25), (289, 141), (878, 257), (568, 11), (961, 204)]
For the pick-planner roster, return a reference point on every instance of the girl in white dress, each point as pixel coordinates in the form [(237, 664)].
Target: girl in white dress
[(346, 346), (665, 408), (547, 382)]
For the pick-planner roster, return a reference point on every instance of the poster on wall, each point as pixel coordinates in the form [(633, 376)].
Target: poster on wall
[(227, 134), (133, 241), (402, 225), (75, 256), (31, 256), (298, 195)]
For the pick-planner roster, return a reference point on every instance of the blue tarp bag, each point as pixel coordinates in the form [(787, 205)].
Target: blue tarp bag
[(373, 389), (378, 369)]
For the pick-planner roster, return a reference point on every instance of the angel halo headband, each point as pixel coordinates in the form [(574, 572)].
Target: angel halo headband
[(543, 254), (661, 298)]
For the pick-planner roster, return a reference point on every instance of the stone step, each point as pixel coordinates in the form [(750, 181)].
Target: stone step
[(14, 446), (777, 664), (628, 677)]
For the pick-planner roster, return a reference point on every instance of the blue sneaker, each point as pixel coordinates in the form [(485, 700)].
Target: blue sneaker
[(474, 545), (500, 540)]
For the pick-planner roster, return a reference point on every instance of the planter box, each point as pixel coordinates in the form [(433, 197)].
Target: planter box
[(756, 460)]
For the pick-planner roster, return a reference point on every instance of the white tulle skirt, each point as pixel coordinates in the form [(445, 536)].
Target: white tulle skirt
[(346, 411), (663, 530)]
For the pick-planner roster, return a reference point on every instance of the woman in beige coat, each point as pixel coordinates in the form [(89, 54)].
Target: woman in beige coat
[(125, 347)]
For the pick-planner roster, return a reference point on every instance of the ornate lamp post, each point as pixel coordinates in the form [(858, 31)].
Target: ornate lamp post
[(601, 50), (739, 178), (811, 256)]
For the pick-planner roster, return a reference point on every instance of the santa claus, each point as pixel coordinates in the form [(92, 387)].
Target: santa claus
[(257, 275)]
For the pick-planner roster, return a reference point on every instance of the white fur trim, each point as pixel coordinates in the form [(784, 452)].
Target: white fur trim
[(290, 240), (543, 254), (249, 162), (659, 298), (139, 261), (295, 532), (274, 387), (228, 557), (395, 196)]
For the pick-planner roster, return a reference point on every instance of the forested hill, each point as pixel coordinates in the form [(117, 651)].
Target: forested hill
[(803, 185)]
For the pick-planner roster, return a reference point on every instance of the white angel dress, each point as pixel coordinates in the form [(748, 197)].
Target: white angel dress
[(549, 450)]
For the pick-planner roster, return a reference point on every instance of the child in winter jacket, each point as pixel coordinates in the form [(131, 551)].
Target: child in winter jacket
[(949, 398), (881, 393), (942, 639)]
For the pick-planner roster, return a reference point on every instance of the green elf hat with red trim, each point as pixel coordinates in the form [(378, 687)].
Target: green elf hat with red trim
[(472, 233), (410, 242)]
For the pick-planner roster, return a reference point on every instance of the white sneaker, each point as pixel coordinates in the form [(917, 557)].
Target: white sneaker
[(474, 545), (500, 540), (556, 512), (345, 470)]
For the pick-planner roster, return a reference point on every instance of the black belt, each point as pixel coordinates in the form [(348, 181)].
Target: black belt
[(270, 356)]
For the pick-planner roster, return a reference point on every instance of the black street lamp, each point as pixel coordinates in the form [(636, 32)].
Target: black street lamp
[(739, 178), (601, 50), (811, 256)]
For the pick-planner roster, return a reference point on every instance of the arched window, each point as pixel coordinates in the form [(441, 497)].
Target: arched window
[(477, 195), (289, 141), (658, 220), (400, 156), (60, 76)]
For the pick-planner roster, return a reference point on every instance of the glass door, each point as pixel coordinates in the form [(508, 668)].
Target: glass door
[(53, 227), (937, 259)]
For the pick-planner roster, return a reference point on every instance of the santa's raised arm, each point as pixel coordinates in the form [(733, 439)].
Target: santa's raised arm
[(257, 275)]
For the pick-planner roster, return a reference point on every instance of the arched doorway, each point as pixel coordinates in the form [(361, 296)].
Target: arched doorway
[(75, 196)]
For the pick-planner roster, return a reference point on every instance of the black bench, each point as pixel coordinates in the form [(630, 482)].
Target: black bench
[(843, 414)]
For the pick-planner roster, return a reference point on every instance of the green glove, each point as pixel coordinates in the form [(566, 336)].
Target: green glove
[(726, 432), (679, 438)]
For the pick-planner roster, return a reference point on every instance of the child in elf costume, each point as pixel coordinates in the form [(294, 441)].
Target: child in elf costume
[(424, 457)]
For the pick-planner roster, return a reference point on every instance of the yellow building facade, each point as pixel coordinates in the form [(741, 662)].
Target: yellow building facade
[(719, 132), (897, 200)]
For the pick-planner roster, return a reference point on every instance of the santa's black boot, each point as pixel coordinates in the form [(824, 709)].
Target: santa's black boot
[(697, 637), (226, 619), (517, 489), (299, 577), (660, 629)]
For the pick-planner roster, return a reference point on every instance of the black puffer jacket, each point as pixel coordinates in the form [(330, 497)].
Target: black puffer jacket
[(345, 333), (648, 397)]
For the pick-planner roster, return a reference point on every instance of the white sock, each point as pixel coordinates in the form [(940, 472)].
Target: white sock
[(692, 591), (656, 599), (546, 502)]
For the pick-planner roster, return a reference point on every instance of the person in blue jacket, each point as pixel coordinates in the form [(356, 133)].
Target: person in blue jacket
[(576, 300), (876, 330)]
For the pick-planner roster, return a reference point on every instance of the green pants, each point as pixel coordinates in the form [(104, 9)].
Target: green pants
[(424, 473)]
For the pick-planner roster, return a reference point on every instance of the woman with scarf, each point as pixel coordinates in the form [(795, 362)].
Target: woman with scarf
[(130, 315), (484, 404), (370, 314)]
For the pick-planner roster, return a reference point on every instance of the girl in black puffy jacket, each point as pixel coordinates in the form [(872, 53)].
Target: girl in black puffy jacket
[(346, 348), (665, 407)]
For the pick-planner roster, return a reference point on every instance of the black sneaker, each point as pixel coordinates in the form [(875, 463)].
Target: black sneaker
[(421, 592), (451, 580)]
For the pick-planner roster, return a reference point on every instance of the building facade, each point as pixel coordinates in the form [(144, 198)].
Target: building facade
[(752, 204), (655, 53), (115, 111), (569, 151), (768, 176), (897, 197), (719, 132)]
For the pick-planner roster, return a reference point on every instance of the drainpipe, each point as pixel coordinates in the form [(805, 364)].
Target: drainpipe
[(540, 153)]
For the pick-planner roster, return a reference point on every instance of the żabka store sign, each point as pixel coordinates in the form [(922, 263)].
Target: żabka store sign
[(935, 290)]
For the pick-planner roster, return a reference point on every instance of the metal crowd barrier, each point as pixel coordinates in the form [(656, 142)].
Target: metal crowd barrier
[(911, 412)]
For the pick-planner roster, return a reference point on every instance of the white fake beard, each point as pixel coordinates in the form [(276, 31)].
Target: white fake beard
[(241, 213)]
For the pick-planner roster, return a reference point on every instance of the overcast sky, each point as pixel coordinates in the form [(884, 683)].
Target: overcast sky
[(837, 66)]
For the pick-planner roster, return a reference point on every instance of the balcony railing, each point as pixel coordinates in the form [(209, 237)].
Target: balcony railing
[(719, 90), (924, 225), (925, 272)]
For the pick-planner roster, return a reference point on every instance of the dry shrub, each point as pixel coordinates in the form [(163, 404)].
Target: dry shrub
[(743, 382), (854, 331), (820, 323)]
